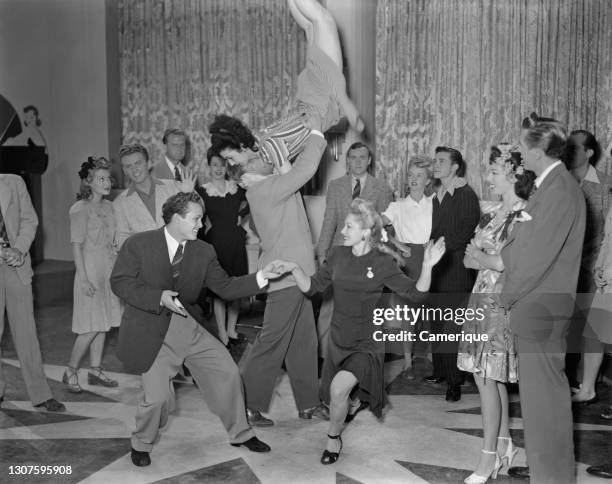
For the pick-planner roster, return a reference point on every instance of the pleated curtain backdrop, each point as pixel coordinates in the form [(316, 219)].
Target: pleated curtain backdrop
[(463, 73), (183, 61)]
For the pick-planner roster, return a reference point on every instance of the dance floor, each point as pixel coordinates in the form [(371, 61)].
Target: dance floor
[(422, 438)]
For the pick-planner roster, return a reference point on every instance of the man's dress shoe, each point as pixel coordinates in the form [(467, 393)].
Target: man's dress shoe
[(256, 419), (140, 459), (603, 470), (519, 472), (433, 379), (320, 411), (254, 445), (51, 405), (453, 393)]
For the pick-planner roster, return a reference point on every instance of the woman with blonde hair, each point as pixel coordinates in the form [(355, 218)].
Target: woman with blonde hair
[(410, 220), (359, 270)]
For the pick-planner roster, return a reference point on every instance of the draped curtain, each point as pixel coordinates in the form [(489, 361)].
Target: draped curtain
[(463, 73), (183, 61)]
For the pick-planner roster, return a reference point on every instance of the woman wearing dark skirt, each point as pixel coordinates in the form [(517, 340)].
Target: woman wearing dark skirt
[(353, 369), (225, 204), (456, 213)]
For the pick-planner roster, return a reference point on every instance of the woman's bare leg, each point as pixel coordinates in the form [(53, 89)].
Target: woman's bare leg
[(219, 309), (302, 21), (339, 391), (590, 369), (233, 310), (321, 30), (313, 15), (491, 408)]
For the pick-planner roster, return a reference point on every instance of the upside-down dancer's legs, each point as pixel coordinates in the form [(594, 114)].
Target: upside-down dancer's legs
[(320, 27), (321, 30)]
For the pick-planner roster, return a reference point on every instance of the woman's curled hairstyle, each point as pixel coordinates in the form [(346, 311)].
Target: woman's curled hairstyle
[(368, 218), (229, 132), (525, 181), (86, 174)]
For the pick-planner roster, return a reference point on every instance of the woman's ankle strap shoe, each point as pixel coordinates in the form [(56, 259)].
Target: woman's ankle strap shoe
[(508, 457), (479, 479), (95, 376), (70, 379), (331, 457)]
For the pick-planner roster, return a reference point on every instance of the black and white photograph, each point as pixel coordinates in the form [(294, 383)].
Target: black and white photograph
[(306, 241)]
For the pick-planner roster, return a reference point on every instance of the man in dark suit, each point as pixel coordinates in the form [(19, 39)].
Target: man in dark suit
[(542, 263), (171, 167), (159, 275), (595, 186)]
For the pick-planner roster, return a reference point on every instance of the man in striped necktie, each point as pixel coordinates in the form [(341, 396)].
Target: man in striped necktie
[(160, 274)]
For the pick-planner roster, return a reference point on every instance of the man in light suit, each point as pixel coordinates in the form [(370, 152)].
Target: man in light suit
[(159, 274), (18, 222), (340, 193), (542, 261), (139, 207), (171, 167)]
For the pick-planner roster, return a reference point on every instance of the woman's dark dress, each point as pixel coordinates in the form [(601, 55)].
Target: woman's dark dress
[(358, 284), (225, 235)]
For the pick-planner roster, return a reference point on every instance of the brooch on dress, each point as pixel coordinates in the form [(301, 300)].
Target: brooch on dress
[(369, 274)]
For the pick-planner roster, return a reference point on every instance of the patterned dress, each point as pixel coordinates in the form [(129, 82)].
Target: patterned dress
[(483, 358), (93, 226)]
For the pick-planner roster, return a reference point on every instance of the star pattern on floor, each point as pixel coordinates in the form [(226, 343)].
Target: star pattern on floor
[(93, 438)]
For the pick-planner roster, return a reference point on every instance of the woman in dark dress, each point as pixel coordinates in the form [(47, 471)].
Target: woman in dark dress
[(456, 213), (358, 270), (225, 204)]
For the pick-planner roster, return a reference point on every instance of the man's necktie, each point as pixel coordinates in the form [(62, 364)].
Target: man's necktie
[(177, 174), (357, 189), (4, 242), (176, 264)]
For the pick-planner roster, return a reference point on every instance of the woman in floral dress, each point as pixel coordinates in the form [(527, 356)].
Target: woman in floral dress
[(494, 362), (95, 309)]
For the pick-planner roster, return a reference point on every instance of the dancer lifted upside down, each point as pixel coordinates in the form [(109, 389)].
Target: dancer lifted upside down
[(288, 334), (353, 372)]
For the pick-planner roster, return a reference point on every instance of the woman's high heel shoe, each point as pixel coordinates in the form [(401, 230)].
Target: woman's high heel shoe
[(95, 376), (354, 410), (588, 401), (331, 457), (510, 453), (477, 478), (71, 380)]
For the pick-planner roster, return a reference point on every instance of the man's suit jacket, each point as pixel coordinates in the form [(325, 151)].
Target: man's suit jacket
[(20, 220), (161, 171), (337, 203), (132, 215), (140, 275), (542, 259), (455, 219)]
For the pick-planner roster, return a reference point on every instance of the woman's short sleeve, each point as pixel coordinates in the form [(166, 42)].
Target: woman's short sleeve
[(78, 223)]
